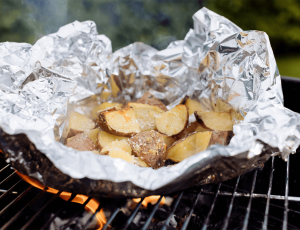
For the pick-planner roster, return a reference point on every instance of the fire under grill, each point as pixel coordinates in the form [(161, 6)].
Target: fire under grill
[(267, 198)]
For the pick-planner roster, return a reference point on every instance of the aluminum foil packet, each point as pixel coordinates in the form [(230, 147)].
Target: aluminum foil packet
[(75, 69)]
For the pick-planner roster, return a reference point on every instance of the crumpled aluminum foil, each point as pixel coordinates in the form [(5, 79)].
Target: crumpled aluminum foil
[(75, 69)]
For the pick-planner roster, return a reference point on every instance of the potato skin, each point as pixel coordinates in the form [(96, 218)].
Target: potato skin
[(220, 137), (149, 99), (150, 147), (81, 142), (74, 132)]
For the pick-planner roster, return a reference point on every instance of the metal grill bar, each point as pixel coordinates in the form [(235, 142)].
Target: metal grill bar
[(91, 218), (186, 222), (231, 204), (152, 214), (172, 212), (111, 218), (4, 191), (130, 219), (8, 191), (5, 226), (250, 201), (4, 168), (268, 199), (286, 203), (7, 178)]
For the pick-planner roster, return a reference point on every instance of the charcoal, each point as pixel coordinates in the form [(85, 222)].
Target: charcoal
[(161, 214), (119, 220)]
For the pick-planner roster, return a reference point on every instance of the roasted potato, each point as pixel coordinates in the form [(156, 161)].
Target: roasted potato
[(220, 121), (191, 128), (169, 141), (150, 147), (193, 106), (174, 121), (138, 161), (104, 106), (145, 114), (118, 149), (78, 123), (92, 134), (149, 99), (105, 138), (81, 142), (222, 106), (197, 142), (122, 122)]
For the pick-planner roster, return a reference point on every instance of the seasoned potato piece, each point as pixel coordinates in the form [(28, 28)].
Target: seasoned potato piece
[(96, 151), (222, 106), (145, 114), (105, 138), (140, 162), (122, 122), (191, 128), (220, 121), (81, 142), (169, 141), (149, 99), (92, 134), (119, 149), (193, 106), (174, 121), (104, 106), (150, 147), (197, 142), (78, 123), (68, 139)]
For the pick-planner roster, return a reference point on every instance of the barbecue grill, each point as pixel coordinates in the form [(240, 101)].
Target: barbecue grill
[(265, 198)]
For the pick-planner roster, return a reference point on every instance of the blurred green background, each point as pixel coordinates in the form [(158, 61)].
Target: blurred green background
[(155, 22)]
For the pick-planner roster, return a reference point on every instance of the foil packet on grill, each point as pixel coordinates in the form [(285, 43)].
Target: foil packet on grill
[(75, 69)]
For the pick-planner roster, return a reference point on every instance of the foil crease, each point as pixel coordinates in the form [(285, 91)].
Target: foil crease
[(75, 68)]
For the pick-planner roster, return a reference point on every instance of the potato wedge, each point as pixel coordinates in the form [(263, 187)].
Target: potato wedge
[(140, 162), (78, 123), (122, 122), (191, 128), (220, 121), (145, 114), (81, 142), (150, 147), (68, 139), (105, 138), (174, 121), (193, 106), (149, 99), (169, 141), (197, 142), (118, 149), (92, 134), (104, 106)]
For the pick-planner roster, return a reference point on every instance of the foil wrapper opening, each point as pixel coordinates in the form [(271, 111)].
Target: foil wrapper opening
[(75, 69)]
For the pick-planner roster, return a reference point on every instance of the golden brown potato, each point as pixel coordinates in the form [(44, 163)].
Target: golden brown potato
[(104, 106), (169, 141), (140, 162), (78, 123), (193, 106), (105, 138), (197, 142), (191, 128), (92, 134), (150, 147), (118, 149), (81, 142), (174, 121), (149, 99), (222, 106), (122, 122), (220, 121), (145, 114)]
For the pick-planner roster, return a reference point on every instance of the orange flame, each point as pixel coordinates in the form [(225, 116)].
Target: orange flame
[(92, 205), (150, 199)]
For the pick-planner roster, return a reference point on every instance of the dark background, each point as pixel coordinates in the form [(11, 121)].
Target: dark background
[(155, 22)]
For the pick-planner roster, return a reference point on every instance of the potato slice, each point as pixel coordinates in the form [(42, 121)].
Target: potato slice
[(81, 142), (220, 121), (197, 142), (78, 123), (191, 128), (149, 99), (169, 141), (145, 114), (119, 149), (193, 106), (68, 139), (105, 138), (140, 162), (174, 121), (104, 106), (92, 134), (150, 147), (122, 122)]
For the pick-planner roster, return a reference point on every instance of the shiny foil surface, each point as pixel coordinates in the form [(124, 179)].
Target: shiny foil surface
[(75, 69)]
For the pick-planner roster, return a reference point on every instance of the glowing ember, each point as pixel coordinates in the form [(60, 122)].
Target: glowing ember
[(150, 199)]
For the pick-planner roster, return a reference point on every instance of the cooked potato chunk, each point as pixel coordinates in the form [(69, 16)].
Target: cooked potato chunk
[(140, 162), (119, 149), (145, 114), (122, 122), (105, 138), (104, 106), (191, 128), (78, 123), (220, 121), (81, 142), (150, 147), (174, 121), (193, 106), (149, 99), (92, 134), (169, 141)]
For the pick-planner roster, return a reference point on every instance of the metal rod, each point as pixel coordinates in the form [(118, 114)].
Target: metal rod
[(8, 191), (15, 200), (172, 212), (111, 218), (7, 178), (4, 168), (265, 224), (286, 201), (231, 205), (5, 226), (204, 227), (4, 191), (130, 219), (186, 222), (246, 220), (152, 214), (91, 218)]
